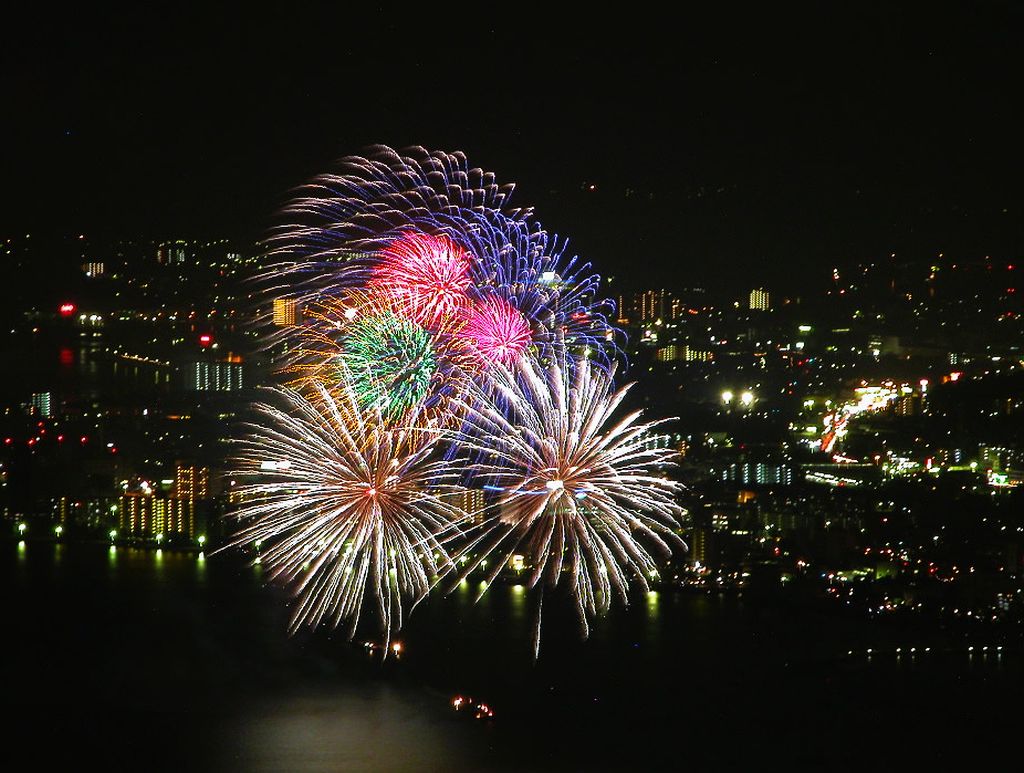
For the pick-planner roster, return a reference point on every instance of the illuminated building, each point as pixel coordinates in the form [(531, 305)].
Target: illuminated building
[(143, 515), (469, 501), (652, 305), (191, 482), (758, 473), (171, 253), (908, 405), (697, 355), (94, 268), (760, 299), (42, 404), (649, 306), (286, 312), (671, 353), (60, 510), (214, 376), (668, 353)]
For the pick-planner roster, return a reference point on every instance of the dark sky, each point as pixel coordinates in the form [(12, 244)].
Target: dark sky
[(753, 145)]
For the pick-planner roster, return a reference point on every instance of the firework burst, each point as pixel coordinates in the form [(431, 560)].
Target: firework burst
[(346, 510), (496, 331), (580, 494), (364, 341), (426, 275)]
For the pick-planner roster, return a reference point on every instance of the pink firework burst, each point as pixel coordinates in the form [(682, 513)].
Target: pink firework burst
[(428, 275), (497, 331)]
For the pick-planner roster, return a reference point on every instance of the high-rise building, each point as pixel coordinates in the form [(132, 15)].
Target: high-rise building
[(172, 253), (216, 376), (191, 481), (760, 300), (668, 353), (702, 545), (758, 473), (145, 515), (286, 312), (94, 268), (651, 305), (43, 404), (469, 500)]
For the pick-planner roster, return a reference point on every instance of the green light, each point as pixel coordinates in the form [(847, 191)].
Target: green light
[(202, 539), (22, 528), (391, 362), (58, 530), (113, 534)]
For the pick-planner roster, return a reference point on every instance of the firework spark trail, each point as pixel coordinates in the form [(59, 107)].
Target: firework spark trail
[(580, 492), (349, 511)]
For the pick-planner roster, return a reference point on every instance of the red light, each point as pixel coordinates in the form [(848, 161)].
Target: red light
[(60, 438), (83, 440), (8, 441), (205, 339), (67, 309)]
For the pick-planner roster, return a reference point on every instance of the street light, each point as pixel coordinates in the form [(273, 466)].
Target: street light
[(726, 397), (747, 398), (22, 528)]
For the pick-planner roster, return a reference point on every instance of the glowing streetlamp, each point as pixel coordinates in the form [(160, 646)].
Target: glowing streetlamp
[(727, 397), (747, 398)]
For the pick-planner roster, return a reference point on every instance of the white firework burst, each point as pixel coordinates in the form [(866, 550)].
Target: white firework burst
[(346, 509), (582, 495)]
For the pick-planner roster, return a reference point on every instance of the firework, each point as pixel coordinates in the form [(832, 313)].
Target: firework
[(363, 341), (445, 337), (346, 511), (496, 331), (426, 275), (427, 227), (391, 362), (580, 494)]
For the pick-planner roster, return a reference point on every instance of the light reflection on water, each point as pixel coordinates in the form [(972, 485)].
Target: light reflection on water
[(166, 638)]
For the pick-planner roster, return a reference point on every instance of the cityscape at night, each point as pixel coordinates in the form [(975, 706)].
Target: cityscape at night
[(646, 396)]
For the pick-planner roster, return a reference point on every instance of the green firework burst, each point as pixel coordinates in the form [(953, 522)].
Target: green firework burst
[(391, 362)]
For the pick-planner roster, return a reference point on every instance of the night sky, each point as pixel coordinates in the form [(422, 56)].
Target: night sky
[(720, 145)]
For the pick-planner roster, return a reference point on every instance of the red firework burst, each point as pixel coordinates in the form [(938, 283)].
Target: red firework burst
[(427, 275), (497, 331)]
